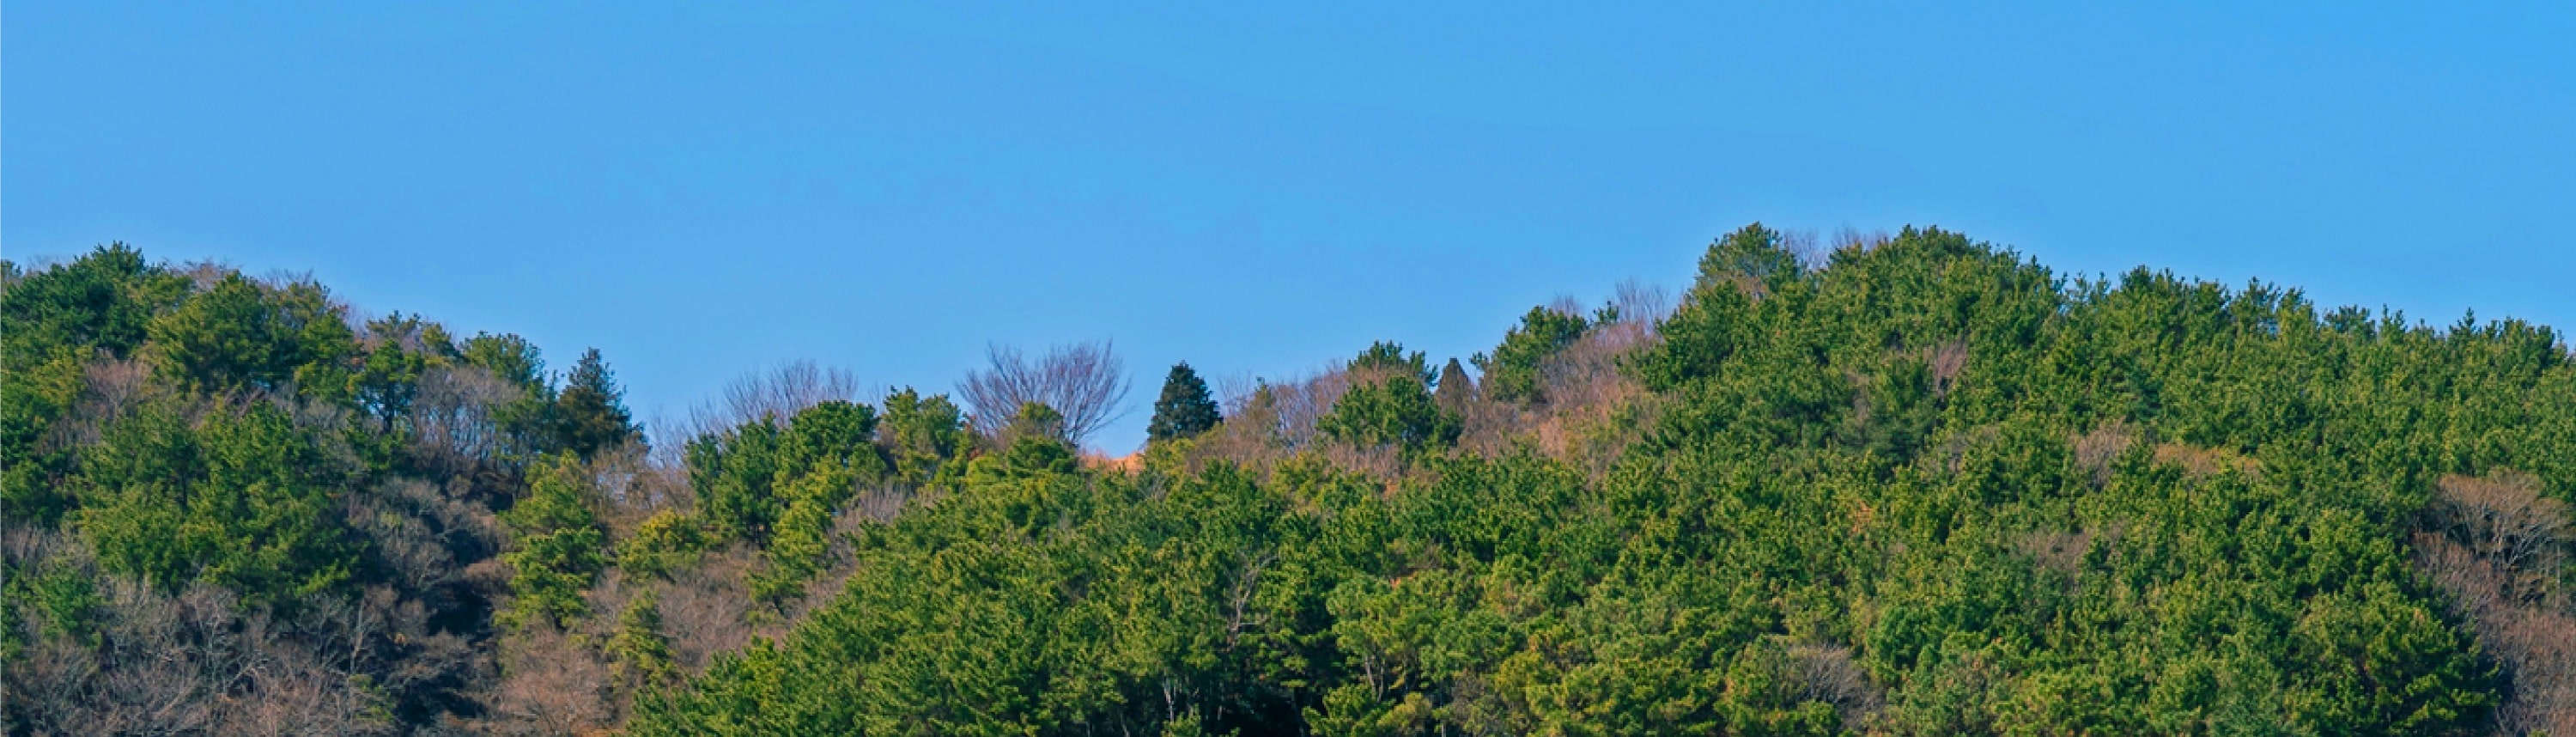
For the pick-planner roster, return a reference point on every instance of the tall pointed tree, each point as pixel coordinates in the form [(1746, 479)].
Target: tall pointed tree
[(1185, 409), (591, 413), (1455, 388)]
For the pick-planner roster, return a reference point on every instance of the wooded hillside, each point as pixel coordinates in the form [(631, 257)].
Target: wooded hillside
[(1912, 484)]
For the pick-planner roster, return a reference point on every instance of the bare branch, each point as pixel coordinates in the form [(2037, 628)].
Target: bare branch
[(1084, 381)]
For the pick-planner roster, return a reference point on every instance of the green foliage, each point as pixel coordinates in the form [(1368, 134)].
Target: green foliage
[(57, 598), (246, 500), (639, 652), (1389, 404), (1929, 488), (510, 357), (400, 349), (1512, 370), (557, 546), (527, 423), (1397, 411), (1926, 488), (240, 335), (924, 437), (748, 478), (1185, 409), (668, 541), (1755, 254), (101, 301), (52, 322), (733, 473), (590, 414), (1035, 420), (1388, 357)]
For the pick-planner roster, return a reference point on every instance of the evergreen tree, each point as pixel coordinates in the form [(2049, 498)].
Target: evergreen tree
[(1185, 409), (525, 422), (1389, 356), (591, 415), (923, 436), (243, 335), (1455, 389), (51, 323), (1390, 403), (641, 654), (245, 501), (1753, 252), (558, 546), (1512, 370)]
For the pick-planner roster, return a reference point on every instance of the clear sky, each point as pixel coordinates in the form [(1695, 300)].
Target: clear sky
[(701, 189)]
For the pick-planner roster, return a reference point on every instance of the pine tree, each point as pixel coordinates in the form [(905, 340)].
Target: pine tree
[(1512, 370), (642, 655), (1455, 389), (557, 546), (591, 413), (1185, 409)]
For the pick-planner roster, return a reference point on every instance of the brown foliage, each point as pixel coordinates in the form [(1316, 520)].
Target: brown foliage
[(1083, 381), (1826, 673), (779, 393), (551, 684), (454, 418), (201, 662), (707, 609), (2094, 451), (2500, 550), (1594, 408), (2058, 550), (2202, 462)]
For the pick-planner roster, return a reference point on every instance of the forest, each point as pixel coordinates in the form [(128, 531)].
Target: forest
[(1892, 484)]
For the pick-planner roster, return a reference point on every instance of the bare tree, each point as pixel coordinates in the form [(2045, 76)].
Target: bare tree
[(2498, 547), (778, 392), (1084, 381)]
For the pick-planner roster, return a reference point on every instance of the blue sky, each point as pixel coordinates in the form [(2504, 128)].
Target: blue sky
[(702, 189)]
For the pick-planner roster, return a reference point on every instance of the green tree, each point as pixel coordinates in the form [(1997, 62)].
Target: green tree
[(1396, 411), (528, 421), (924, 437), (830, 453), (1185, 409), (590, 415), (241, 335), (1512, 370), (639, 652), (557, 546), (1456, 389), (246, 501), (1389, 357), (1753, 253)]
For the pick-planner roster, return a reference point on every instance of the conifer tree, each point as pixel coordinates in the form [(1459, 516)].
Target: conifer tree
[(642, 655), (1185, 409), (1512, 370), (591, 413), (1455, 389), (922, 435), (557, 546)]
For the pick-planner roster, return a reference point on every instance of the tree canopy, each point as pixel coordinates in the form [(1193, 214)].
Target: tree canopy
[(1921, 485), (1185, 409)]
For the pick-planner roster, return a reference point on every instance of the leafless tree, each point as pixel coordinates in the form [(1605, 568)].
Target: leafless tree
[(1084, 381), (453, 416), (779, 392), (2497, 547), (1857, 241), (551, 684), (1642, 305)]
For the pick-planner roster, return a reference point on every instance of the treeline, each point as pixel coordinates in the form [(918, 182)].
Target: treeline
[(1909, 484)]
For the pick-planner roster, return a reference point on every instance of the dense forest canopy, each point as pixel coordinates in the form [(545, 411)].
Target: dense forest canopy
[(1911, 484)]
